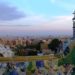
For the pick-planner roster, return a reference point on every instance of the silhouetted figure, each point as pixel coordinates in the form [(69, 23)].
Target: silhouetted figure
[(73, 71), (67, 50), (10, 70)]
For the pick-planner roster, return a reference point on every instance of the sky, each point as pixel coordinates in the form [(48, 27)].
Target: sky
[(39, 17)]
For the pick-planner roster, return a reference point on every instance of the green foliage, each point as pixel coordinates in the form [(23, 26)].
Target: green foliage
[(31, 67), (20, 49), (70, 59), (32, 52), (54, 45)]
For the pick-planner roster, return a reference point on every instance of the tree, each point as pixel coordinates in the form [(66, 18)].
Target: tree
[(54, 45), (69, 59), (32, 66), (38, 45), (1, 55), (32, 53), (19, 50)]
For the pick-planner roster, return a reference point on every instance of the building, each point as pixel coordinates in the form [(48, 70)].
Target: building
[(74, 25), (72, 40), (72, 43)]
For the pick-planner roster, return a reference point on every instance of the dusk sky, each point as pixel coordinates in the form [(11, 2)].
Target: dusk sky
[(35, 16)]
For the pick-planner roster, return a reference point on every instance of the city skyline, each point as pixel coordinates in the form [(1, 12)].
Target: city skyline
[(36, 16)]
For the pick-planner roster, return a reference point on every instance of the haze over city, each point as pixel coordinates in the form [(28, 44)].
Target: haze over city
[(36, 17)]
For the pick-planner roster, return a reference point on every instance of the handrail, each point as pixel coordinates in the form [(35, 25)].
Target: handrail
[(27, 58)]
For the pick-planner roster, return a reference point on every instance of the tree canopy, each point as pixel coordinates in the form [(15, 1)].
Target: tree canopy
[(69, 59), (54, 44)]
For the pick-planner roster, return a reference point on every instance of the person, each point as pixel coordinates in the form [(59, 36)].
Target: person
[(68, 69), (8, 68), (51, 71), (14, 72), (22, 71), (60, 72), (73, 71), (6, 72), (40, 72)]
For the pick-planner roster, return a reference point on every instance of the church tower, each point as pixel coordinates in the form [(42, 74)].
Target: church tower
[(74, 25)]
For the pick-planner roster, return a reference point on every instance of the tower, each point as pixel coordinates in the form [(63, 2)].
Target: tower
[(74, 25)]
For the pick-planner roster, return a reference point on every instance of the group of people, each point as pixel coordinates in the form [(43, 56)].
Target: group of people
[(11, 69), (66, 69)]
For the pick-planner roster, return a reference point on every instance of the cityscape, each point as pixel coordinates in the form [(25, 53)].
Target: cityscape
[(37, 37)]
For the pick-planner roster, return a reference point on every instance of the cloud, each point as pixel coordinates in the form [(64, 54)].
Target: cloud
[(8, 12), (26, 21), (38, 24)]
